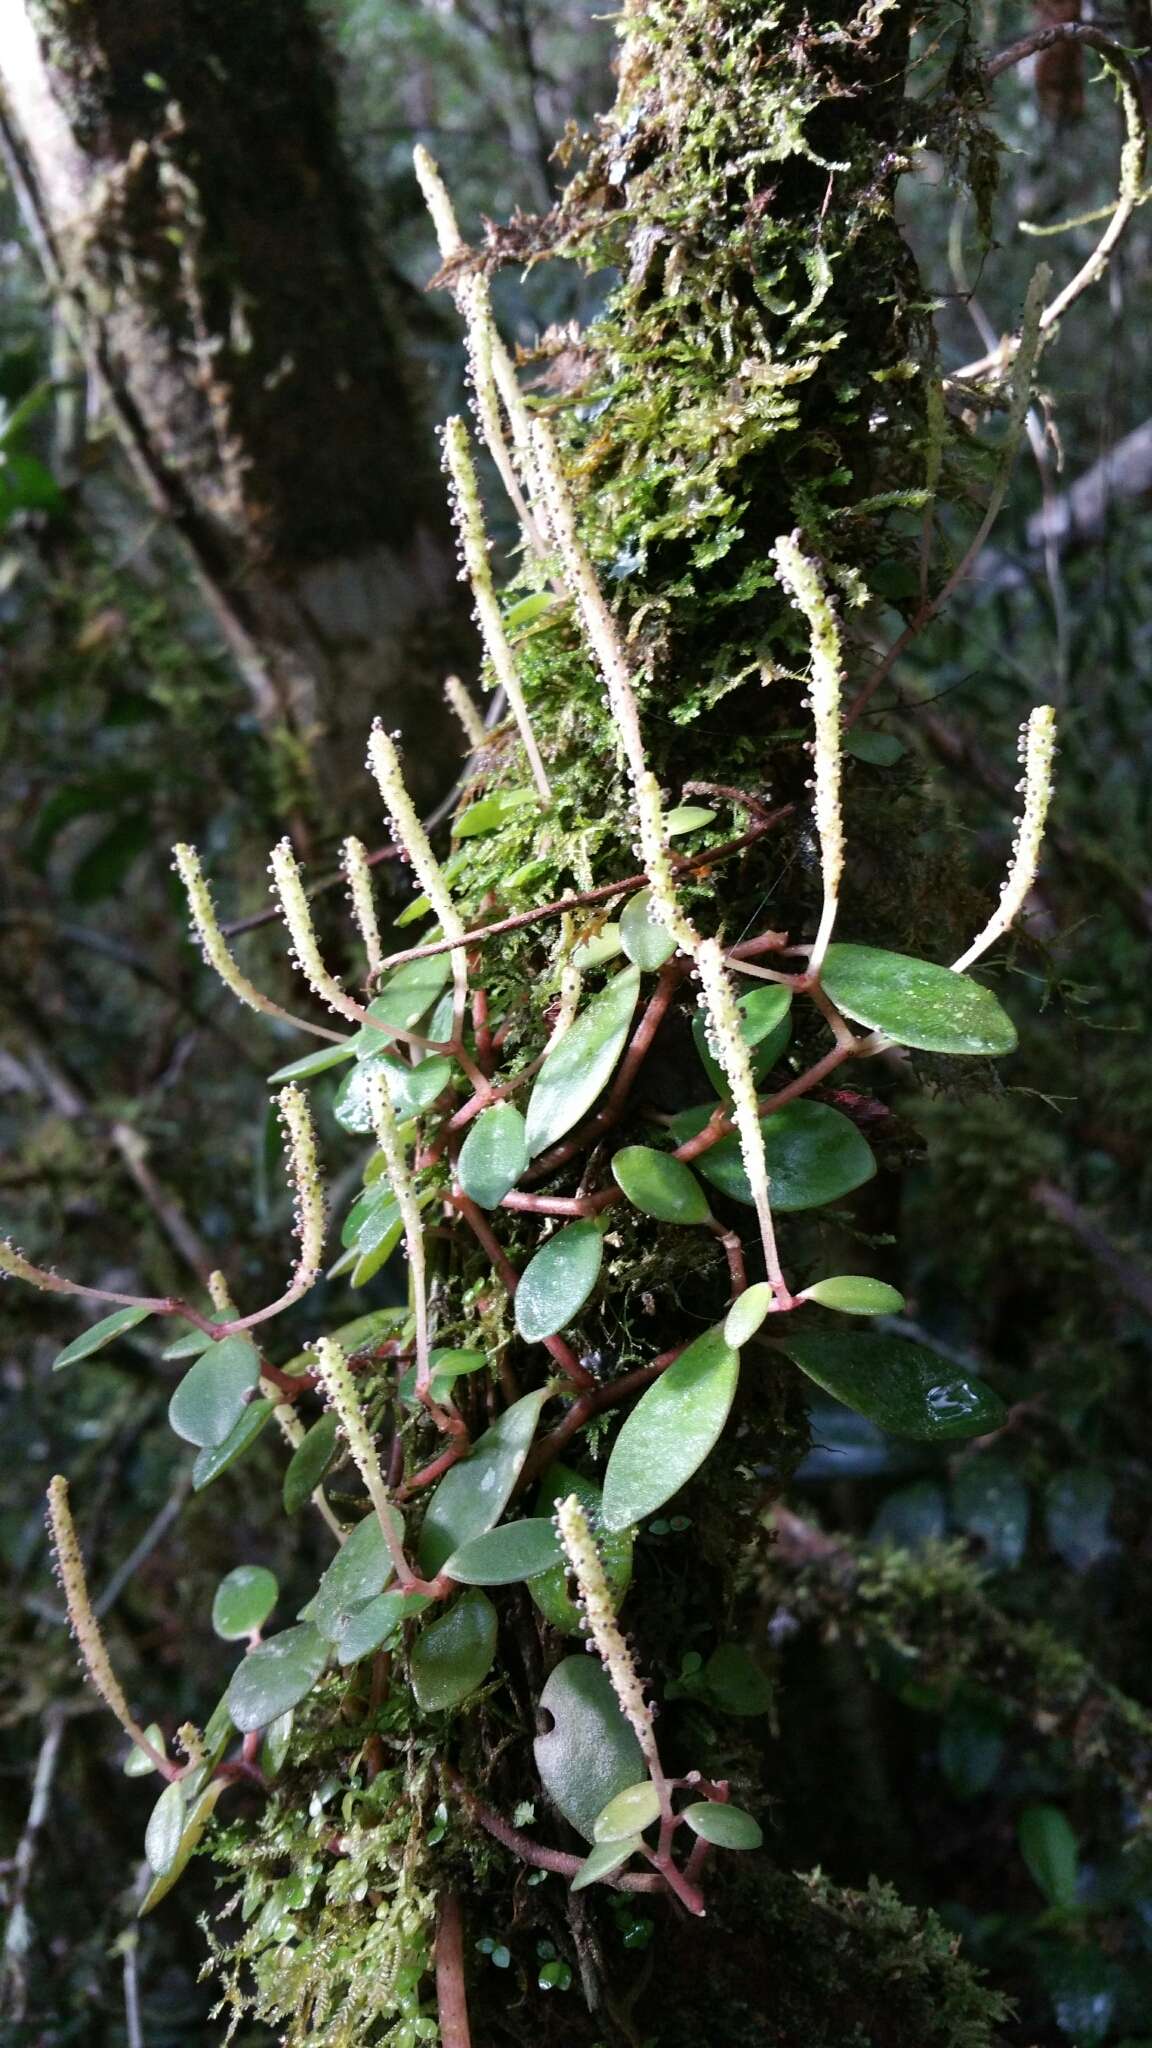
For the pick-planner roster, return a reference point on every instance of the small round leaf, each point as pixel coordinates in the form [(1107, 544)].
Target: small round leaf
[(646, 942), (729, 1827), (628, 1813), (855, 1294), (214, 1392), (275, 1676), (815, 1155), (243, 1602), (558, 1280), (660, 1186), (493, 1155), (454, 1654), (589, 1752)]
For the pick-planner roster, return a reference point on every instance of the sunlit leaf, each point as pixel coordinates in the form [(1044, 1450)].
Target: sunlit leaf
[(243, 1601), (165, 1827), (671, 1431), (686, 818), (597, 950), (494, 1155), (276, 1675), (104, 1332), (406, 996), (558, 1280), (589, 1752), (855, 1294), (213, 1393), (627, 1813), (199, 1815), (473, 1495), (915, 1002), (490, 812), (660, 1186), (903, 1387), (412, 1089), (766, 1027), (580, 1067), (747, 1313), (728, 1827), (453, 1654), (277, 1738)]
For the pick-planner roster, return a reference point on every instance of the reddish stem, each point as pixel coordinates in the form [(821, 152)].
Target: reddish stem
[(563, 1353), (451, 1996)]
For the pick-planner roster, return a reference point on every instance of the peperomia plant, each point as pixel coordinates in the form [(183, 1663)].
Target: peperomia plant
[(594, 1094)]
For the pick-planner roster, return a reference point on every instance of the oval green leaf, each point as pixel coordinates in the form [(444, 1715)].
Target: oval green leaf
[(579, 1068), (598, 949), (856, 1294), (1049, 1847), (275, 1676), (411, 1089), (516, 1550), (686, 818), (905, 1388), (550, 1589), (590, 1753), (199, 1816), (454, 1654), (406, 996), (670, 1431), (558, 1280), (165, 1827), (660, 1186), (747, 1313), (628, 1813), (491, 812), (729, 1827), (244, 1599), (646, 942), (360, 1569), (209, 1463), (377, 1623), (473, 1495), (138, 1763), (104, 1332), (815, 1155), (309, 1462), (603, 1862), (493, 1155), (213, 1394), (314, 1063), (916, 1003)]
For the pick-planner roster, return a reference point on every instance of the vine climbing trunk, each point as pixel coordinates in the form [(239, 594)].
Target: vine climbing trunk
[(181, 171)]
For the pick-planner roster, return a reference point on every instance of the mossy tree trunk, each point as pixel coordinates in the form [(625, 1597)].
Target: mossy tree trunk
[(182, 173)]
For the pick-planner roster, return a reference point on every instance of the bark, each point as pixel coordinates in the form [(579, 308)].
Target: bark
[(180, 168)]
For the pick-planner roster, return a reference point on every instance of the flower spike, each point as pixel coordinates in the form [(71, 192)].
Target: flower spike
[(801, 577), (1038, 752), (214, 946), (358, 875)]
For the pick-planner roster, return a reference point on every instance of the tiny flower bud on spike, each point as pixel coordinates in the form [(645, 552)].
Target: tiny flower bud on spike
[(1038, 748)]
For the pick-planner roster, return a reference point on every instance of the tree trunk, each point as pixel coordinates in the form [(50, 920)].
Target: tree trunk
[(181, 171)]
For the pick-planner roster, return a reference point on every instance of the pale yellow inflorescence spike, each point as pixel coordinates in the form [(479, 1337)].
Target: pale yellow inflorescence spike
[(384, 762), (1038, 752), (801, 578), (731, 1050), (308, 1184), (214, 946), (603, 1627), (404, 1189), (358, 876), (461, 703), (490, 364), (474, 543), (86, 1628), (340, 1389)]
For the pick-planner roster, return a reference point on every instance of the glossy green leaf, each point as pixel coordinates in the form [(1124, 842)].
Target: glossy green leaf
[(137, 1763), (378, 1622), (165, 1827), (728, 1827), (214, 1392), (371, 1220), (454, 1654), (406, 997), (214, 1459), (815, 1155), (671, 1431), (991, 1503), (473, 1495), (314, 1063), (104, 1332), (580, 1067), (494, 1155), (855, 1294), (916, 1003), (515, 1550), (1049, 1847), (491, 812), (907, 1389), (558, 1280), (550, 1589), (243, 1601), (879, 749), (199, 1815), (360, 1569), (686, 818), (627, 1813), (645, 941), (604, 1861), (277, 1739), (412, 1089), (766, 1026), (598, 949), (309, 1462), (747, 1313), (589, 1752), (660, 1186), (275, 1676)]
